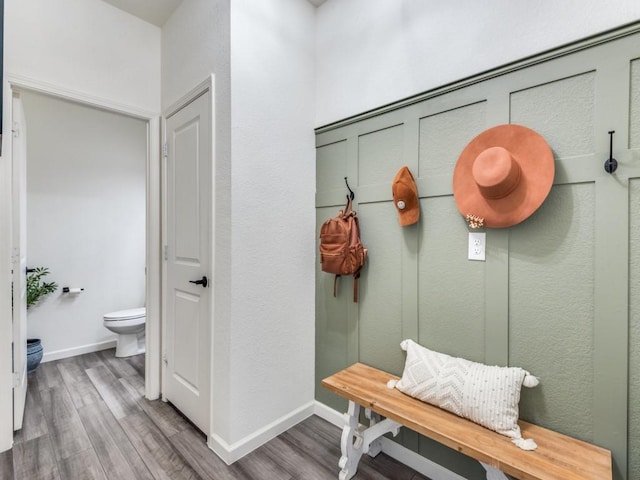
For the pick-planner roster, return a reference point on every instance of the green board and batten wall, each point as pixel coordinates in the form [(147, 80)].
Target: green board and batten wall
[(558, 295)]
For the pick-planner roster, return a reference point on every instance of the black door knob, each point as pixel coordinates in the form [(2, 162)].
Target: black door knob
[(203, 281)]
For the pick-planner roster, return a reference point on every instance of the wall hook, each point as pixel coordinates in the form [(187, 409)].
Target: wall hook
[(611, 164), (351, 195)]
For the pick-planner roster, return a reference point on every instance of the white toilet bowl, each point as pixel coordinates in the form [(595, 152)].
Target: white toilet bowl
[(129, 325)]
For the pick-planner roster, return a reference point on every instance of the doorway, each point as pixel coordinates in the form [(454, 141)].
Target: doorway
[(149, 124), (86, 194)]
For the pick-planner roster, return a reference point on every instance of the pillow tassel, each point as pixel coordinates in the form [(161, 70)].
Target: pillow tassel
[(392, 383), (530, 381), (404, 345), (525, 444)]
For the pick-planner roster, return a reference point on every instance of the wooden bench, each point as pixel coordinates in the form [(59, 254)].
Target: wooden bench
[(558, 457)]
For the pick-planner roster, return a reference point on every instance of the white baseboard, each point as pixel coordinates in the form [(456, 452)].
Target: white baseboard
[(72, 352), (237, 450), (329, 414), (419, 463)]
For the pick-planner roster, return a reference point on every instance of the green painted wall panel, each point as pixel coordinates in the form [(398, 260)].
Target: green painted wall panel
[(540, 300), (444, 135), (634, 326), (551, 271), (450, 305), (561, 111), (380, 156), (380, 311), (452, 289), (331, 323), (331, 165), (634, 116)]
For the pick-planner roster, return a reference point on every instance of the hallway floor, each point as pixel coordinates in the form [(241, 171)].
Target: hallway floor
[(86, 418)]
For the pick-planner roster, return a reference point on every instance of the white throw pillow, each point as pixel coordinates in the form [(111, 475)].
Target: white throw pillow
[(483, 394)]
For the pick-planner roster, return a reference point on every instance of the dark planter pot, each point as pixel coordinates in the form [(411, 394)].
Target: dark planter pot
[(34, 353)]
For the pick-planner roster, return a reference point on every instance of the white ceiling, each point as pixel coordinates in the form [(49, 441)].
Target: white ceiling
[(152, 11), (158, 12)]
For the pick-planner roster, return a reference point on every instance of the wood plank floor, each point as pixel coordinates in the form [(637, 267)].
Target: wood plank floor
[(86, 419)]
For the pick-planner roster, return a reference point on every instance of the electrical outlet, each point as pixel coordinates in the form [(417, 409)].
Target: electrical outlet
[(477, 245)]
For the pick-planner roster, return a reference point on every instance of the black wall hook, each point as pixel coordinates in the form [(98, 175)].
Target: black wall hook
[(611, 164), (351, 195)]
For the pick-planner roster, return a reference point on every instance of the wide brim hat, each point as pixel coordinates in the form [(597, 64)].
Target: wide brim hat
[(503, 175), (405, 197)]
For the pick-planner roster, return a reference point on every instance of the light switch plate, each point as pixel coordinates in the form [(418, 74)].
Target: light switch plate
[(477, 245)]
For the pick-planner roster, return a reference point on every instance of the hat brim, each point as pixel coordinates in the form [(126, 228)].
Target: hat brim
[(535, 158)]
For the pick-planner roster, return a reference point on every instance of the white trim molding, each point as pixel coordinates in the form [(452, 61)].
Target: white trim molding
[(28, 83), (6, 326), (153, 323), (237, 450), (72, 352), (402, 454), (207, 85)]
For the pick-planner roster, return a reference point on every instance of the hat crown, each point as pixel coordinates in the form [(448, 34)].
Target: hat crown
[(405, 197), (495, 172)]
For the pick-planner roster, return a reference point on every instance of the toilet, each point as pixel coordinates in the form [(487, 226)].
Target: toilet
[(129, 325)]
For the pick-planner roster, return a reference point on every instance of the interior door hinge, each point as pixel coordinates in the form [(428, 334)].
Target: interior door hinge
[(165, 150), (165, 251), (16, 379), (164, 358)]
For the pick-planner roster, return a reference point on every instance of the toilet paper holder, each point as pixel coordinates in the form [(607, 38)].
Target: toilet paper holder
[(72, 289)]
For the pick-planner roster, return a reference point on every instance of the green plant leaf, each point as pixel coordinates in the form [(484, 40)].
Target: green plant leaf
[(37, 287)]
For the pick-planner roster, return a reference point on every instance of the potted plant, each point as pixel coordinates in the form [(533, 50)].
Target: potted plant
[(36, 289)]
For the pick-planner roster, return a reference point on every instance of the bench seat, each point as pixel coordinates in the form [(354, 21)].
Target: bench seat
[(558, 456)]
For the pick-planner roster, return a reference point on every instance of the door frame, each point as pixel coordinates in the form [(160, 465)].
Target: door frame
[(208, 84), (153, 238), (18, 252)]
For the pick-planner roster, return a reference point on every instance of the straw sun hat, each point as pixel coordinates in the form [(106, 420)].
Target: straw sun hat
[(503, 175)]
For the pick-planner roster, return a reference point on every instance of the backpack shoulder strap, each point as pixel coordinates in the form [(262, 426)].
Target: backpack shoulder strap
[(356, 276), (348, 209)]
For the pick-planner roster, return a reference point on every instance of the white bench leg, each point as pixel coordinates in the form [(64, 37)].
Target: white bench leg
[(375, 447), (494, 474), (356, 439), (350, 443)]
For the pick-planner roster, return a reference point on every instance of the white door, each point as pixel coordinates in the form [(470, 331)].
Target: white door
[(19, 259), (188, 290)]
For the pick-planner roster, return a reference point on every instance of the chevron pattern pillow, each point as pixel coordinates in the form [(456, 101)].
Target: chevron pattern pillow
[(483, 394)]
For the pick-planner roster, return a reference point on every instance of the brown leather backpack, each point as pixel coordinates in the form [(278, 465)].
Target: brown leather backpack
[(341, 251)]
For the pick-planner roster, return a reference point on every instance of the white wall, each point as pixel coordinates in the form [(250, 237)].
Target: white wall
[(371, 53), (86, 173), (262, 55), (273, 198), (86, 46), (195, 44)]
